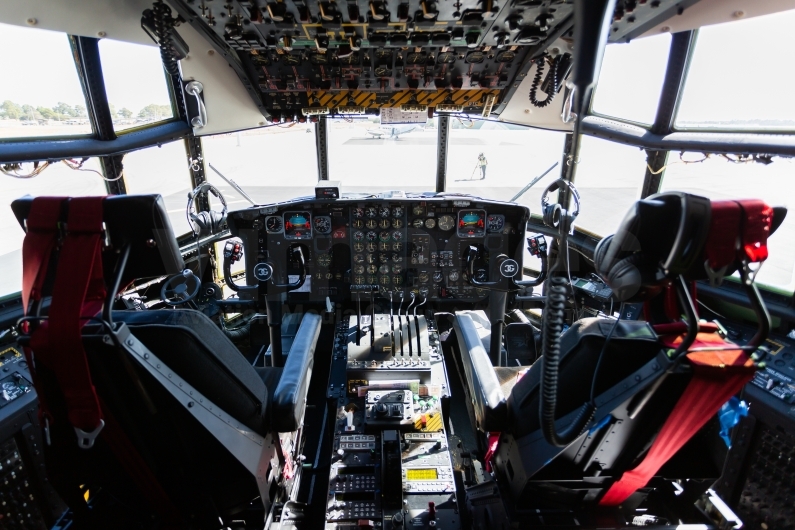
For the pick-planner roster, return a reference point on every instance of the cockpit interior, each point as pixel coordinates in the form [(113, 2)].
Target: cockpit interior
[(397, 264)]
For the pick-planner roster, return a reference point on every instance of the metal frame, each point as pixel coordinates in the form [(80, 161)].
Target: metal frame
[(442, 143), (321, 147)]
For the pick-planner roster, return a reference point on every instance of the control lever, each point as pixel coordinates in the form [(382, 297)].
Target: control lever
[(508, 267)]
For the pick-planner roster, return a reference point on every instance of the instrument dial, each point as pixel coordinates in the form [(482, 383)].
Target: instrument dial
[(417, 223), (372, 224), (383, 246), (358, 247), (495, 223), (446, 58), (397, 258), (397, 235), (416, 58), (371, 236), (418, 210), (384, 236), (437, 276), (475, 57), (370, 212), (397, 247), (358, 213), (322, 224), (371, 247), (370, 258), (430, 223), (384, 280), (398, 211), (273, 224), (384, 211), (453, 276), (382, 71), (358, 258), (397, 269), (397, 280), (383, 258), (358, 223), (372, 269), (324, 260), (446, 222), (424, 277), (384, 224), (383, 269), (358, 236), (397, 223)]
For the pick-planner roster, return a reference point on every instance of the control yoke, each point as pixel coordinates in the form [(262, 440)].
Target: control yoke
[(264, 271)]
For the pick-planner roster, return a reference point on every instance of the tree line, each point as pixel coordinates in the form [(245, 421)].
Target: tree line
[(64, 111)]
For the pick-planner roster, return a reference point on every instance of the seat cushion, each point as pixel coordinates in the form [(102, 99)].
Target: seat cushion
[(198, 351)]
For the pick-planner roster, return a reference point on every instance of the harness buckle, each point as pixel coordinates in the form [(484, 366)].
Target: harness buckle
[(85, 440)]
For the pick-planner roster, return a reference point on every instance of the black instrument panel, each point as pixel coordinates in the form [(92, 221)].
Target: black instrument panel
[(381, 245)]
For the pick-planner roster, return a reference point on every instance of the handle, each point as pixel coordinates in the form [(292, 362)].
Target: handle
[(195, 88)]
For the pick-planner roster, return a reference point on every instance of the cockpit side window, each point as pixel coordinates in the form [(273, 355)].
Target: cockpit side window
[(135, 84), (737, 86), (631, 79), (40, 92), (71, 178)]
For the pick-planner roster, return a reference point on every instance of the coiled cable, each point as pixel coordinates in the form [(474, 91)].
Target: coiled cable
[(164, 25), (550, 340), (555, 67)]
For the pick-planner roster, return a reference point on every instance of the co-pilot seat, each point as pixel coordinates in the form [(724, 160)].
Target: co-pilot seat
[(633, 393), (198, 475)]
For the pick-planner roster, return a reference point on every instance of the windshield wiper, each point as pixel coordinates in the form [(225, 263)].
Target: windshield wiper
[(532, 182), (234, 185)]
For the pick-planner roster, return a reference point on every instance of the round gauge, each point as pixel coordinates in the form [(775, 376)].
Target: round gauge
[(382, 71), (358, 258), (416, 58), (417, 223), (359, 281), (371, 236), (384, 280), (397, 247), (475, 57), (430, 223), (481, 275), (370, 212), (384, 224), (398, 211), (397, 258), (358, 247), (384, 236), (453, 276), (397, 269), (471, 223), (446, 222), (358, 213), (328, 276), (383, 246), (292, 59), (397, 280), (383, 269), (358, 223), (445, 58), (424, 277), (418, 210), (372, 279), (319, 276), (437, 276), (371, 224), (371, 269), (384, 211), (370, 258), (322, 224), (324, 260), (371, 247), (297, 225), (384, 54), (397, 223), (273, 224), (383, 258), (506, 57), (319, 58), (358, 236), (397, 235), (495, 223)]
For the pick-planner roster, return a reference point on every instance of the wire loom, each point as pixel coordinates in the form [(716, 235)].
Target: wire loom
[(554, 70)]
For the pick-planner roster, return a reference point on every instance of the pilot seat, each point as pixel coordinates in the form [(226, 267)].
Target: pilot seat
[(156, 411), (615, 411)]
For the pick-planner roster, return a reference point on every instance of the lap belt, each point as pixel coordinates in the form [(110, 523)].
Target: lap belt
[(717, 376)]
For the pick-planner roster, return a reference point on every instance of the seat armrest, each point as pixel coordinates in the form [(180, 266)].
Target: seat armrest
[(288, 400), (485, 393)]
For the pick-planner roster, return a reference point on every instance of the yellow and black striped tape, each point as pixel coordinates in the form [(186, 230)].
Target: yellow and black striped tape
[(374, 100)]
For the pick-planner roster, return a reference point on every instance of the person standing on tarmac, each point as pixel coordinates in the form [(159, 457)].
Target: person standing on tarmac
[(482, 162)]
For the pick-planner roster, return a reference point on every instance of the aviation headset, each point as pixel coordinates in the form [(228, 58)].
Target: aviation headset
[(552, 213), (205, 222)]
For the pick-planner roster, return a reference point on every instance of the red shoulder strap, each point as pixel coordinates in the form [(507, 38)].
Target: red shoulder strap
[(40, 238), (717, 376)]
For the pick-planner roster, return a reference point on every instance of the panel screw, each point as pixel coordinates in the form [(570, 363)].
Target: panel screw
[(211, 52), (101, 34), (32, 21), (738, 14)]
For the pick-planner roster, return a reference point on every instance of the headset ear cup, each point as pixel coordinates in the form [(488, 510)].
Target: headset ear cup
[(552, 215), (599, 255), (218, 219), (625, 277)]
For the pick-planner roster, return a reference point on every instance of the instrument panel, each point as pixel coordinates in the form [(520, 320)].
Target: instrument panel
[(382, 246)]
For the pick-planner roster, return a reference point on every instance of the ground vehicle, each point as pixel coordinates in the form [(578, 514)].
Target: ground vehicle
[(344, 258)]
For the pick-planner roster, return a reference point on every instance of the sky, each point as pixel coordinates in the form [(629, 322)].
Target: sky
[(41, 72)]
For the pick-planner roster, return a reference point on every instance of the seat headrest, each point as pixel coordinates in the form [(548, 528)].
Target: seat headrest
[(141, 221), (675, 233)]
